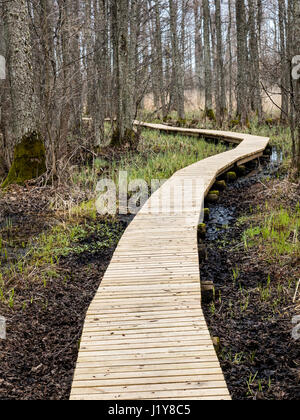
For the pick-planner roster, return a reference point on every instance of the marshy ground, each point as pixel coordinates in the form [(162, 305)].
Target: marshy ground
[(253, 258), (54, 250)]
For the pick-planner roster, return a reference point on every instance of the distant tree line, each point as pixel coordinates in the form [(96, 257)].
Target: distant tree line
[(101, 58)]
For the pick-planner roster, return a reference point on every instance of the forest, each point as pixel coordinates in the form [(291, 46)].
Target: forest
[(158, 90)]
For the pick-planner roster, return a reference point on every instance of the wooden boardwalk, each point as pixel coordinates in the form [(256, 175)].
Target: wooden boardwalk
[(145, 336)]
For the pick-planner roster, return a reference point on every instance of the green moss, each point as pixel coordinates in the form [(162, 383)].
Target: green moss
[(215, 192), (269, 122), (241, 170), (220, 185), (130, 138), (217, 344), (206, 214), (212, 198), (209, 113), (234, 123), (167, 118), (181, 122), (268, 151), (202, 252), (231, 176), (202, 230), (29, 160)]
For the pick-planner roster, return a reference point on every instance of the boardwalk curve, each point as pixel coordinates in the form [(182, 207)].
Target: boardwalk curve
[(145, 335)]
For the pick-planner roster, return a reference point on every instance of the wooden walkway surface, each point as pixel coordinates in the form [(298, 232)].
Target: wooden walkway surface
[(145, 336)]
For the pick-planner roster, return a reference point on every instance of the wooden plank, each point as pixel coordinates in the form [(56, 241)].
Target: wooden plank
[(92, 388), (87, 394), (202, 361), (102, 381), (146, 315), (185, 335), (180, 354), (150, 326), (121, 372), (143, 344), (145, 336)]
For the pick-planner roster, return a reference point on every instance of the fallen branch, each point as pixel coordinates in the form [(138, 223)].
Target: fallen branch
[(296, 292)]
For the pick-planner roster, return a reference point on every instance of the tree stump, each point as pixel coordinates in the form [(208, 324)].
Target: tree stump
[(29, 160)]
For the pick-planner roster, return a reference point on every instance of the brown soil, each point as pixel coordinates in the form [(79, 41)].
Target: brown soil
[(259, 357), (37, 360)]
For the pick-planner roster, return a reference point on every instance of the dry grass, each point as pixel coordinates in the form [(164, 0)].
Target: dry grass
[(195, 102)]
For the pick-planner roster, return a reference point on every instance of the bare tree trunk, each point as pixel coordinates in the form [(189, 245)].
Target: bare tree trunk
[(242, 54), (88, 46), (259, 23), (65, 111), (120, 38), (207, 58), (160, 67), (5, 111), (159, 58), (101, 84), (132, 101), (220, 65), (255, 90), (215, 68), (296, 44), (198, 48), (154, 68), (177, 62), (24, 100), (229, 42), (29, 155), (76, 79), (284, 65)]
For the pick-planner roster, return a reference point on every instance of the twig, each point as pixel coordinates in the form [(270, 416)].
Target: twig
[(273, 102), (90, 151), (263, 185), (296, 292)]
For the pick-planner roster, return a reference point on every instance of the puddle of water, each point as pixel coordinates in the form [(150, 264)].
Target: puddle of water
[(220, 219), (276, 156)]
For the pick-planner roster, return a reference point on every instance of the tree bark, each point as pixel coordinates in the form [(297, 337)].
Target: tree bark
[(255, 90), (29, 155), (242, 54), (177, 62), (21, 78), (296, 45), (220, 65), (207, 58), (198, 49), (159, 58), (122, 83), (229, 42), (284, 64)]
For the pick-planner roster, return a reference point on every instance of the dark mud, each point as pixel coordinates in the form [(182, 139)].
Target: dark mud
[(37, 360), (258, 355)]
